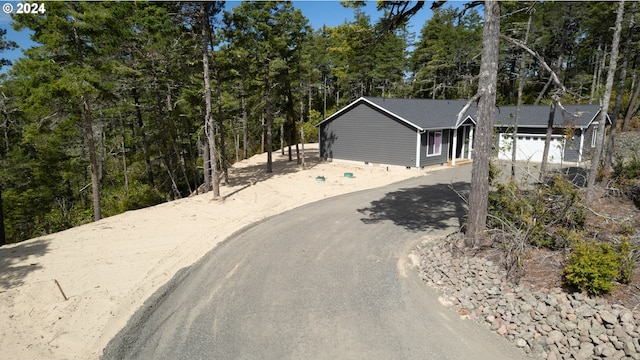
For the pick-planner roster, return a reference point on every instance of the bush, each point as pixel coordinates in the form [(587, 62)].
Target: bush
[(539, 215), (139, 196), (593, 266)]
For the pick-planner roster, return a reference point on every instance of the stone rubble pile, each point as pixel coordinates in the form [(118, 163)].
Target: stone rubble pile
[(547, 324)]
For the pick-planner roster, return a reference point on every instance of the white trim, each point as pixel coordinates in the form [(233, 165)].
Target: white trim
[(470, 143), (581, 146), (344, 109), (594, 135), (465, 120), (418, 148), (454, 154), (597, 116)]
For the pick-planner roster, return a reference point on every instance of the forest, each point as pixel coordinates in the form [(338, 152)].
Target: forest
[(124, 105)]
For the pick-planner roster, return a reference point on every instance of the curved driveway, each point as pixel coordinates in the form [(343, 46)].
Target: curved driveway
[(324, 281)]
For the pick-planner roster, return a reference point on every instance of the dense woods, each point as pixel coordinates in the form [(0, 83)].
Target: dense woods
[(124, 105)]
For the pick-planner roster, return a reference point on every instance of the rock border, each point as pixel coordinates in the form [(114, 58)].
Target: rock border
[(547, 324)]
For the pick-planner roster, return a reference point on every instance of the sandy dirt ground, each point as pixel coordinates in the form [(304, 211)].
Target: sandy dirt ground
[(107, 269)]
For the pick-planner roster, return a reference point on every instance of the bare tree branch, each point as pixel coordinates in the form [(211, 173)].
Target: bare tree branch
[(544, 64), (399, 12), (468, 104)]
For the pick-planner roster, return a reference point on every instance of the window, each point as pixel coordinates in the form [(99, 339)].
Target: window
[(594, 137), (434, 143)]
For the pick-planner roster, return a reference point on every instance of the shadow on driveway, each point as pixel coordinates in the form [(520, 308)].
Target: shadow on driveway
[(420, 208)]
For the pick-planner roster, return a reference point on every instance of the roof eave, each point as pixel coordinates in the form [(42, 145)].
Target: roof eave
[(362, 99)]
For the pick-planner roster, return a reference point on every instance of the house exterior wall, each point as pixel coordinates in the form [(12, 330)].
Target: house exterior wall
[(587, 150), (436, 159), (572, 147), (365, 134)]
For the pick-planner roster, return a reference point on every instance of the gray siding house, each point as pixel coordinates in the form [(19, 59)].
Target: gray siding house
[(404, 132), (423, 132), (572, 139)]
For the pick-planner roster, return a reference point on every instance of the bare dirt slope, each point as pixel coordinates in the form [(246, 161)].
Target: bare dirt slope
[(108, 268)]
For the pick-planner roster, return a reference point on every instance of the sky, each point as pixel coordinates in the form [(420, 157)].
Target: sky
[(319, 12)]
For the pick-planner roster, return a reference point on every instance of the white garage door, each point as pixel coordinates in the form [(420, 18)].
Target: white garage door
[(530, 148)]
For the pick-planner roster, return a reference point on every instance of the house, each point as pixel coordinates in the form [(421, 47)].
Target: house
[(404, 132), (572, 139), (422, 132)]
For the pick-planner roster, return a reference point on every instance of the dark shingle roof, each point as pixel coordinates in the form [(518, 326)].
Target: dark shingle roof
[(427, 114), (537, 116)]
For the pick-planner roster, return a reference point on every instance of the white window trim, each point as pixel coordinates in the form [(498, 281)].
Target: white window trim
[(594, 137), (440, 148)]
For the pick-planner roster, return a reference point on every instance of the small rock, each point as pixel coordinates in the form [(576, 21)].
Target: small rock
[(586, 350), (604, 350), (554, 336), (608, 317), (502, 330), (573, 342), (629, 348)]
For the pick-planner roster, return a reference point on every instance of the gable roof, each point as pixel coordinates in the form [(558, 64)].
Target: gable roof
[(422, 114), (537, 116), (429, 114), (425, 113)]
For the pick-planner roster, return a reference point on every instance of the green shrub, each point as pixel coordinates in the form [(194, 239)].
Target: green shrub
[(593, 266), (139, 196)]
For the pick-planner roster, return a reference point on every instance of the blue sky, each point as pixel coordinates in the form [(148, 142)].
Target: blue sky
[(319, 13)]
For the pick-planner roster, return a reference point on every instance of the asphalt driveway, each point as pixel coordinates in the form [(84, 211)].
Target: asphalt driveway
[(328, 280)]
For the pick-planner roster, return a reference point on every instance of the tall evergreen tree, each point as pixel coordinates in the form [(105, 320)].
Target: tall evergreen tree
[(76, 39)]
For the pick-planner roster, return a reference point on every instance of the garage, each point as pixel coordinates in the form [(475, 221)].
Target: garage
[(531, 147)]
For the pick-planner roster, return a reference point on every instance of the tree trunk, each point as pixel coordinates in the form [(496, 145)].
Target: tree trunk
[(93, 159), (209, 125), (143, 137), (547, 138), (282, 139), (596, 66), (301, 162), (269, 116), (634, 105), (124, 156), (555, 99), (602, 62), (595, 159), (222, 152), (3, 236), (608, 156), (479, 195), (523, 64), (207, 165), (245, 123), (544, 91)]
